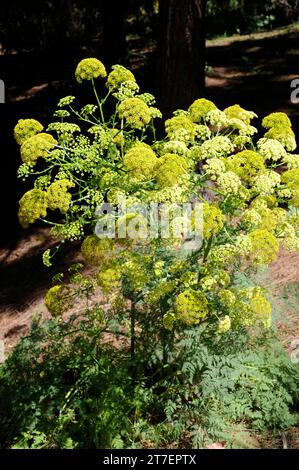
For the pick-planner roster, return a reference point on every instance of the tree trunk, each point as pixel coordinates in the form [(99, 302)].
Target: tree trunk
[(181, 53)]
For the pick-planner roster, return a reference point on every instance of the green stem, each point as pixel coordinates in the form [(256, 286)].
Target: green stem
[(207, 249), (98, 100)]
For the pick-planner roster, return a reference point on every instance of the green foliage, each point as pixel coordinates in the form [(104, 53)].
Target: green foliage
[(64, 387)]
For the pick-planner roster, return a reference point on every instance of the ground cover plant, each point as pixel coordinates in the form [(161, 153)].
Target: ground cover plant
[(165, 339)]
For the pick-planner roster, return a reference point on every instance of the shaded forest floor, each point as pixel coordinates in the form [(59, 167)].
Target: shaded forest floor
[(254, 71)]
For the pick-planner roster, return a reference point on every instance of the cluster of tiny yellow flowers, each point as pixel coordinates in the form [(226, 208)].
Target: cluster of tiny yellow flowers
[(271, 149), (191, 307), (236, 112), (58, 196), (58, 299), (199, 108), (264, 246), (108, 279), (218, 146), (26, 128), (33, 206), (170, 170), (89, 69), (180, 128), (118, 76), (37, 146), (213, 220), (135, 112), (141, 160), (247, 165), (95, 250), (224, 324)]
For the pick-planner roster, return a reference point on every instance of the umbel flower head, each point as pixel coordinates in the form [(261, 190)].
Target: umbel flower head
[(264, 247), (108, 279), (141, 160), (247, 165), (236, 112), (58, 299), (224, 325), (170, 170), (95, 250), (276, 120), (199, 108), (191, 307), (180, 128), (26, 128), (33, 206), (135, 112), (118, 76), (58, 196), (284, 135), (213, 220), (37, 146), (88, 69)]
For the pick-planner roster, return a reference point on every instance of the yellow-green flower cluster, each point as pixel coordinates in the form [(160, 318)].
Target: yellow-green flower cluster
[(244, 244), (236, 112), (176, 193), (135, 112), (58, 299), (101, 136), (216, 147), (264, 247), (170, 170), (276, 120), (290, 179), (202, 132), (163, 289), (271, 149), (213, 220), (214, 168), (240, 142), (33, 206), (191, 307), (227, 298), (97, 251), (58, 196), (37, 146), (108, 279), (119, 75), (259, 308), (247, 165), (229, 183), (127, 90), (135, 275), (224, 324), (68, 231), (266, 183), (216, 118), (199, 108), (88, 69), (180, 128), (222, 255), (175, 146), (292, 161), (26, 128), (140, 160)]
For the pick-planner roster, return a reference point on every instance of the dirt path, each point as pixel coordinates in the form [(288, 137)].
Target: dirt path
[(255, 71)]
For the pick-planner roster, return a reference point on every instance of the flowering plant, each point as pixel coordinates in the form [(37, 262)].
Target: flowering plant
[(242, 191)]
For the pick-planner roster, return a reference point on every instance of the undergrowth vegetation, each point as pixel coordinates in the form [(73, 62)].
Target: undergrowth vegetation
[(166, 339)]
